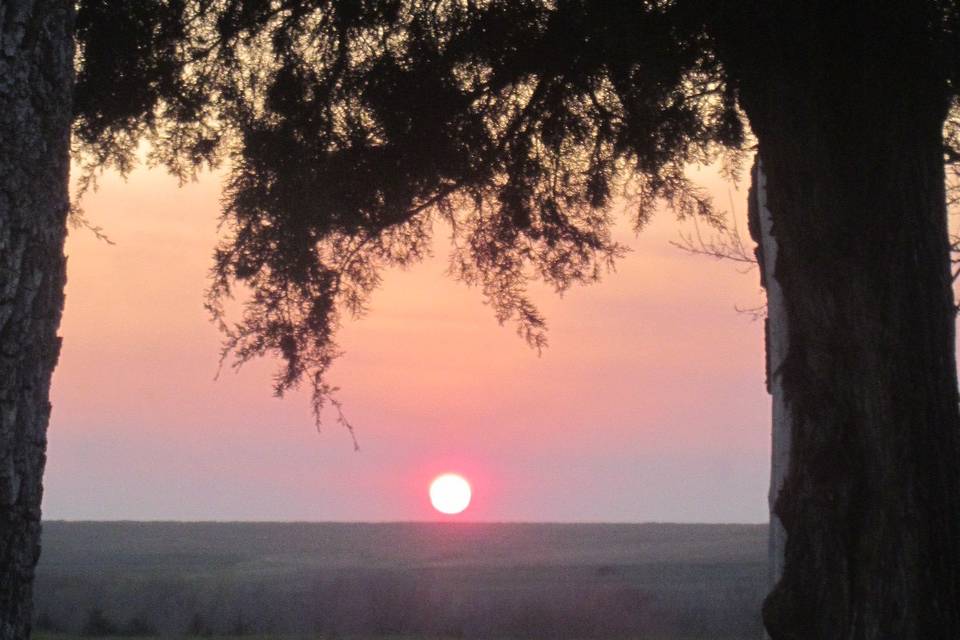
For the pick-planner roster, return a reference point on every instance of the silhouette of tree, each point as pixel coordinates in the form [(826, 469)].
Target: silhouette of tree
[(352, 127), (98, 625), (139, 626), (36, 52)]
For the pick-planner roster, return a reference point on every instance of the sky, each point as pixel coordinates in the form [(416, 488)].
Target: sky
[(648, 404)]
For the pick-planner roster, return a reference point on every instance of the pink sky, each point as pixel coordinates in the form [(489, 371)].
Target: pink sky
[(648, 405)]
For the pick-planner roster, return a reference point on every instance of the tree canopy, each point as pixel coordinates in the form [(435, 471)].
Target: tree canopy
[(351, 127)]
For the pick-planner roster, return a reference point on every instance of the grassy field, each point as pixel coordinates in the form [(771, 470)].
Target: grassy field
[(65, 636), (404, 580)]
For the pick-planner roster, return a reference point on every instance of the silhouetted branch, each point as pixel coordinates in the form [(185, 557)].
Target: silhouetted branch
[(952, 157), (78, 220), (725, 244)]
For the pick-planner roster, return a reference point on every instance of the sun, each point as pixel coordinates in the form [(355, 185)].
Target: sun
[(450, 493)]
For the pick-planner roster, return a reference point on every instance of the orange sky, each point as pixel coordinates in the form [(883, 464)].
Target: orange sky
[(648, 404)]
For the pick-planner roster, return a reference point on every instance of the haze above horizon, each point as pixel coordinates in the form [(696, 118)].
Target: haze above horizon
[(648, 405)]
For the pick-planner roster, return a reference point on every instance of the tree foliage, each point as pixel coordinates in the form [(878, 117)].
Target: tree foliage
[(352, 128)]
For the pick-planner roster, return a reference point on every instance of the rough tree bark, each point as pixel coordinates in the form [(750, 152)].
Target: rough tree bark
[(36, 71), (848, 113), (776, 348)]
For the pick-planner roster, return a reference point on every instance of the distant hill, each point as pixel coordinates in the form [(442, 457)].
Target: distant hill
[(472, 580)]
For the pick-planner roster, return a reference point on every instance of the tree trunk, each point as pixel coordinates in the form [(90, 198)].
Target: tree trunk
[(36, 72), (848, 112), (776, 348)]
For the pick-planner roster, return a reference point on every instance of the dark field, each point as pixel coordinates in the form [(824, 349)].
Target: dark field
[(402, 580)]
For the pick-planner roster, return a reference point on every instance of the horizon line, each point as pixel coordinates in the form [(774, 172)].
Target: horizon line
[(401, 522)]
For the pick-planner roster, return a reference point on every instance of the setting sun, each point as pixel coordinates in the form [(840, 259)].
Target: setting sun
[(450, 493)]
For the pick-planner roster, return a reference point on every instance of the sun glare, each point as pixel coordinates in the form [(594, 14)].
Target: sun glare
[(450, 493)]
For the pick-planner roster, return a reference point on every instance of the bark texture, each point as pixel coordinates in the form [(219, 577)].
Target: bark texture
[(36, 71), (848, 112), (776, 347)]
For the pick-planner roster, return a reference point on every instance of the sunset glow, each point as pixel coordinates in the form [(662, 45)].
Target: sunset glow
[(654, 358), (450, 493)]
